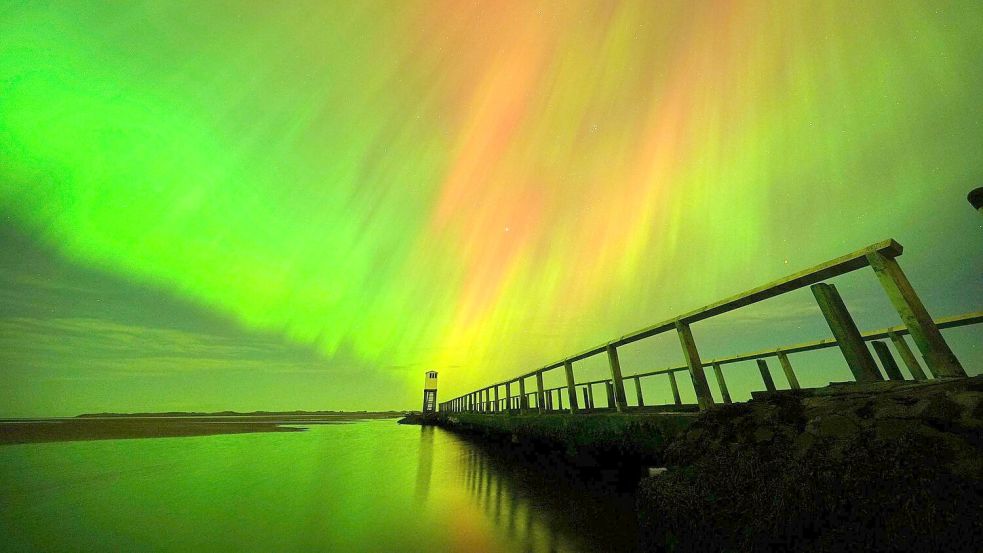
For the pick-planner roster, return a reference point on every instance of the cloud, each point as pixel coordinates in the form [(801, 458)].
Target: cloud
[(124, 349)]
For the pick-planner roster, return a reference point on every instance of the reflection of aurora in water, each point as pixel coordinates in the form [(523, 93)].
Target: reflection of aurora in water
[(543, 512), (424, 469), (363, 487)]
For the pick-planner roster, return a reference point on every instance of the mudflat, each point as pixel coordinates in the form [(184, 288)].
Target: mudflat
[(109, 426)]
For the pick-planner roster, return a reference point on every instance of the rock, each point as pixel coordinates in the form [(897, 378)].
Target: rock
[(891, 429), (892, 466), (695, 434), (833, 426), (894, 411), (939, 410), (802, 444), (971, 404), (762, 435)]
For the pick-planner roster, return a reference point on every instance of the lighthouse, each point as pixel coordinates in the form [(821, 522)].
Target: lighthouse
[(430, 392)]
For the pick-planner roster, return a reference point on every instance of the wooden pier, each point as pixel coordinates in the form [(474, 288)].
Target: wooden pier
[(880, 257)]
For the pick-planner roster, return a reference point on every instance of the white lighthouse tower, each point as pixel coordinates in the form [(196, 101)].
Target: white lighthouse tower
[(430, 393)]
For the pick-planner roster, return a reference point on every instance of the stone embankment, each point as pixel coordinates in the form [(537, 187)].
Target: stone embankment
[(892, 466), (612, 447)]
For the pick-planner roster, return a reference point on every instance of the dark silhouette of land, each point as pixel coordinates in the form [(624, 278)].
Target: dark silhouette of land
[(113, 426)]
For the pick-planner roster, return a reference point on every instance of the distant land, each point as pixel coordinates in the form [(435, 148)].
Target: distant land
[(249, 414), (119, 426)]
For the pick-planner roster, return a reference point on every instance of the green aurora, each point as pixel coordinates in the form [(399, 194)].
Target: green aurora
[(234, 205)]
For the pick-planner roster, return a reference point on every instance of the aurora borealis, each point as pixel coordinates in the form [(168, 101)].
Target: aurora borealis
[(307, 206)]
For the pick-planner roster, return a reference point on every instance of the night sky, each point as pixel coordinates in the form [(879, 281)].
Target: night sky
[(234, 205)]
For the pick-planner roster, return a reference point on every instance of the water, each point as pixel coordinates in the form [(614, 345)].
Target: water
[(367, 486)]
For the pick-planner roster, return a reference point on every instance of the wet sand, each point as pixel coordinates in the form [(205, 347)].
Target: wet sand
[(114, 427)]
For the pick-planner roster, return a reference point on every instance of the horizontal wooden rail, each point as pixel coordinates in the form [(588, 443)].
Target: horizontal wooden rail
[(965, 319), (819, 273)]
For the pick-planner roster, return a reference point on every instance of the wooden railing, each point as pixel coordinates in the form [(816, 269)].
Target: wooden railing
[(925, 332)]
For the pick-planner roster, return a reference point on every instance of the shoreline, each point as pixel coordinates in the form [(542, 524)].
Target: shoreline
[(121, 427)]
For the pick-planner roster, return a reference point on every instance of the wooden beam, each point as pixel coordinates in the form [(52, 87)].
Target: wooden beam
[(523, 401), (617, 382), (571, 385), (847, 336), (907, 356), (887, 360), (692, 355), (724, 393), (793, 382), (766, 375), (938, 356), (638, 392), (540, 396), (675, 389)]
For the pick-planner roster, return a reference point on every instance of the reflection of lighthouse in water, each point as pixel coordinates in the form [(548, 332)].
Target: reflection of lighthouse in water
[(430, 393)]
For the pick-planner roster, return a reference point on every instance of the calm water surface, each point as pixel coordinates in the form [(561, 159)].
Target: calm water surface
[(366, 486)]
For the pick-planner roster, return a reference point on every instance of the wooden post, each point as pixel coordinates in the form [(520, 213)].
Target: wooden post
[(887, 360), (845, 331), (498, 404), (571, 385), (616, 381), (540, 396), (586, 397), (523, 400), (907, 356), (590, 395), (508, 397), (939, 358), (638, 392), (766, 375), (692, 356), (610, 392), (719, 373), (675, 388), (793, 382)]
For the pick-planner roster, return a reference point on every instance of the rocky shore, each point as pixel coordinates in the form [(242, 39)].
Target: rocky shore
[(892, 466)]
